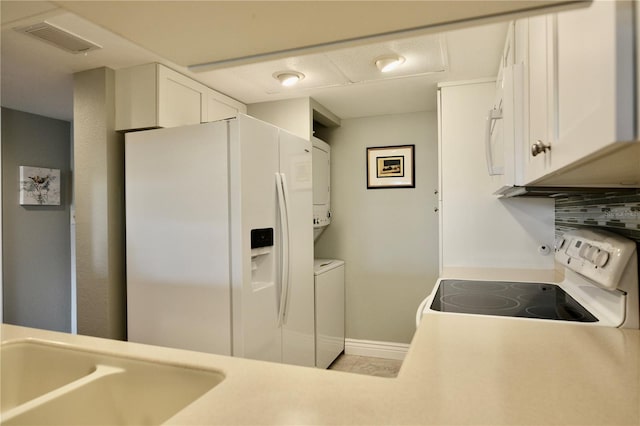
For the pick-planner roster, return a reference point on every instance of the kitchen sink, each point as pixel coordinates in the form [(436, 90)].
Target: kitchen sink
[(47, 383)]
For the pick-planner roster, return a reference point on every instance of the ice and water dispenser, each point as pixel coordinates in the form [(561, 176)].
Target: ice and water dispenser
[(262, 261)]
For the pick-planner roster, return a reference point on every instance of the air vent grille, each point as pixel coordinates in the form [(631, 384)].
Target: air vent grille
[(58, 37)]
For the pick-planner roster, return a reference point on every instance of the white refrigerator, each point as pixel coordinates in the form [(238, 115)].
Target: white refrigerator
[(220, 240)]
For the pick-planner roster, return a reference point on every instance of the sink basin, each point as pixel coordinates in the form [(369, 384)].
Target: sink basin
[(30, 370), (46, 383)]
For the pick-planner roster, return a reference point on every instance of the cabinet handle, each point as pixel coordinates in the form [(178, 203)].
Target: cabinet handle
[(435, 209), (539, 148)]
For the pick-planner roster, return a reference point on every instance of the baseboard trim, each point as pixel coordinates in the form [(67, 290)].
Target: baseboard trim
[(375, 349)]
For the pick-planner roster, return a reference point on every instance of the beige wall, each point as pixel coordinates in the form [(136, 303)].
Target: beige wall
[(99, 200), (387, 237), (294, 115)]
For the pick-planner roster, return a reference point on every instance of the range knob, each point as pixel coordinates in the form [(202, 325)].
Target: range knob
[(601, 259), (585, 251), (592, 253)]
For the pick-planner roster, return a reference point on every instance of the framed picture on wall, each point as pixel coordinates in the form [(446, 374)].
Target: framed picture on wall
[(39, 186), (391, 167)]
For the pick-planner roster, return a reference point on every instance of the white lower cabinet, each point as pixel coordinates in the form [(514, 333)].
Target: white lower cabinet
[(153, 95)]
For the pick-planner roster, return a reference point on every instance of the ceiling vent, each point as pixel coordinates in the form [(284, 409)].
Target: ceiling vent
[(59, 37)]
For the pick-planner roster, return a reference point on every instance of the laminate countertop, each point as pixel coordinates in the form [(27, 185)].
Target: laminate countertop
[(459, 370)]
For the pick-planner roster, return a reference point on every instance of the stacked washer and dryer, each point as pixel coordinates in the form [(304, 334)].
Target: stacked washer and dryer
[(329, 273)]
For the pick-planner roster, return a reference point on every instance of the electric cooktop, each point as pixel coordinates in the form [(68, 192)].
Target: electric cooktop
[(512, 299)]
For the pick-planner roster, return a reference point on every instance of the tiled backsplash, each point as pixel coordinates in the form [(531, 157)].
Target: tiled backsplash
[(617, 212)]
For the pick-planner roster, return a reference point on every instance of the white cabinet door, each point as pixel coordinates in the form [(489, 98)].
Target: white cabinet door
[(595, 79), (540, 126), (181, 100), (581, 92), (220, 107)]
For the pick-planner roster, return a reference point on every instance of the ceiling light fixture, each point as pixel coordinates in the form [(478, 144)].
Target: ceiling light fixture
[(288, 78), (389, 62)]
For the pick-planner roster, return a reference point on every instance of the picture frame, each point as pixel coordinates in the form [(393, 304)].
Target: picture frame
[(39, 186), (391, 167)]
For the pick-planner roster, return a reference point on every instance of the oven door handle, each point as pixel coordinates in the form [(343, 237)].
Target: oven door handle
[(420, 309)]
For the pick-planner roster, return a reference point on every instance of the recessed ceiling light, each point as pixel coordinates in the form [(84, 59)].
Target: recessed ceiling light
[(389, 62), (288, 78)]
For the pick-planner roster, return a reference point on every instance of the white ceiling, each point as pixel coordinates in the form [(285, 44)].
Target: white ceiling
[(37, 77)]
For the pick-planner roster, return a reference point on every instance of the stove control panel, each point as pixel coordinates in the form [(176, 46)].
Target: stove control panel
[(599, 255)]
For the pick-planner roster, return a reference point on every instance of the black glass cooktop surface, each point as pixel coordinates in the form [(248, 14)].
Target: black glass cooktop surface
[(511, 299)]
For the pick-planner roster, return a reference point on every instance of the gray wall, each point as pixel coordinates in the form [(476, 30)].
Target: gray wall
[(387, 237), (36, 239)]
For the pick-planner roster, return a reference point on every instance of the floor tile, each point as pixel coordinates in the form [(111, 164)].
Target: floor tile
[(380, 367), (344, 362)]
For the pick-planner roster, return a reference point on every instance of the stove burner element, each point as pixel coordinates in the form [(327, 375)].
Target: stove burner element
[(473, 286), (525, 300), (479, 301), (564, 312)]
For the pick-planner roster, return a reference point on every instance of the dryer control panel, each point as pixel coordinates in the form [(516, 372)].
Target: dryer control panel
[(321, 217)]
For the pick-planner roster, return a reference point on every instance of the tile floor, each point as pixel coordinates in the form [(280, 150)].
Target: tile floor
[(380, 367)]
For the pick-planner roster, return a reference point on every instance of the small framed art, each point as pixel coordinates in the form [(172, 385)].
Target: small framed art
[(391, 167), (39, 186)]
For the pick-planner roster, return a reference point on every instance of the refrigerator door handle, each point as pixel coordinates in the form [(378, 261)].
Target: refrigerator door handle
[(281, 185)]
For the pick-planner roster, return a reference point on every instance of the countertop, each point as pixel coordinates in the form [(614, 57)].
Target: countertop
[(459, 370)]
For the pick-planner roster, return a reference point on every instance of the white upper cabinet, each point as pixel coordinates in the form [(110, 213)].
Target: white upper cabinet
[(580, 94), (539, 129), (219, 107), (595, 80), (153, 95), (181, 100)]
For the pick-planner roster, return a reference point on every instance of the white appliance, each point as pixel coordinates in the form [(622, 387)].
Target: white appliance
[(219, 240), (329, 285), (321, 186), (504, 141), (478, 230), (600, 287)]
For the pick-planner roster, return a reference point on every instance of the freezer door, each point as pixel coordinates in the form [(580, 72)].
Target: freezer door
[(177, 220), (298, 336), (255, 275)]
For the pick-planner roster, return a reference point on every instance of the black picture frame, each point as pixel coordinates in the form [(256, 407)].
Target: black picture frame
[(391, 167)]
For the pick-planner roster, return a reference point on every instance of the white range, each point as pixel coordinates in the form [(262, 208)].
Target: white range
[(600, 287)]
